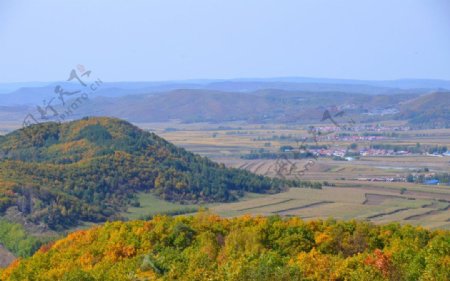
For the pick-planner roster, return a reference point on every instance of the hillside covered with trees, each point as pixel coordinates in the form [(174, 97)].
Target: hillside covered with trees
[(207, 247), (91, 169), (428, 111)]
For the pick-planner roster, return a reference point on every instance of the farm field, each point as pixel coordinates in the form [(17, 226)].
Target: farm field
[(427, 209), (379, 202)]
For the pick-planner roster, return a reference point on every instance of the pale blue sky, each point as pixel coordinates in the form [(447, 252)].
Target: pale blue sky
[(41, 40)]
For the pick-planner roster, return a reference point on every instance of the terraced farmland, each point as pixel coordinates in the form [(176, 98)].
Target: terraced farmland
[(382, 206)]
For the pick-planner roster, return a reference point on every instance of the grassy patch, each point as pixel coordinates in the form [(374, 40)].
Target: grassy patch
[(150, 205)]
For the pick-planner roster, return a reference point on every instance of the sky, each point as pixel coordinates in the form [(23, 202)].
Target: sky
[(149, 40)]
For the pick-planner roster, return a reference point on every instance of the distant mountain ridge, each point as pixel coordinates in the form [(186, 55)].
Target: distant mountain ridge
[(263, 106), (32, 93), (194, 105), (272, 100)]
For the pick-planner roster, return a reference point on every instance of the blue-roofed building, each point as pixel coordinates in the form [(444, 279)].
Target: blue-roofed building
[(431, 182)]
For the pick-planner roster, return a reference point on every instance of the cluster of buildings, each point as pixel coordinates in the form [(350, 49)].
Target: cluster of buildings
[(343, 152), (383, 179), (427, 179), (382, 111), (378, 128), (382, 152), (352, 138)]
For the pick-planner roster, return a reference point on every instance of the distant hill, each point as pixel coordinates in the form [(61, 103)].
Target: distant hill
[(259, 106), (35, 93), (263, 106), (91, 169), (185, 105), (194, 105), (428, 111)]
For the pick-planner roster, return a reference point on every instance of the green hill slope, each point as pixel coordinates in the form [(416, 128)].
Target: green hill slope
[(91, 169)]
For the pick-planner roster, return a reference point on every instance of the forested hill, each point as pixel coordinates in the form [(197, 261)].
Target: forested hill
[(428, 111), (207, 247), (90, 170)]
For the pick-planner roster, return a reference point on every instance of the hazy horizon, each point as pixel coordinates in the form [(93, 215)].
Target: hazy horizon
[(177, 41), (238, 79)]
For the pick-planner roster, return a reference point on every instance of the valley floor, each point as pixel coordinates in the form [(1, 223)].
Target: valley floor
[(359, 190)]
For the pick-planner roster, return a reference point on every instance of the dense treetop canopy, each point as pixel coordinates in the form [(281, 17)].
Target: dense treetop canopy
[(207, 247)]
